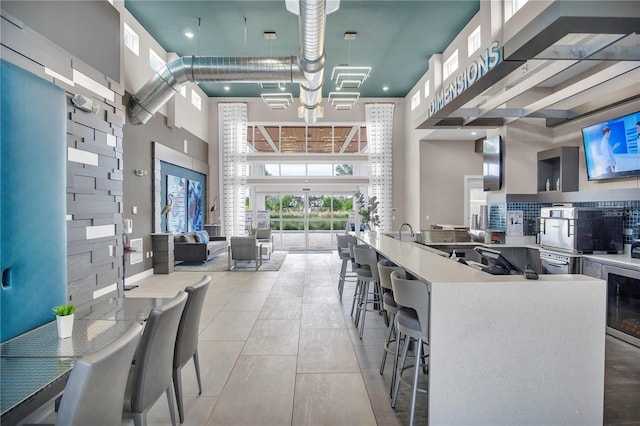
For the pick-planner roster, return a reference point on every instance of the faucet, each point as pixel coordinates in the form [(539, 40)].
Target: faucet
[(400, 231)]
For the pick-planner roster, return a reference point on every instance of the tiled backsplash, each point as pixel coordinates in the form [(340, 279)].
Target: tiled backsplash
[(498, 215)]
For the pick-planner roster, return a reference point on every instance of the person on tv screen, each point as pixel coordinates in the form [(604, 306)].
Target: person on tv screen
[(606, 150)]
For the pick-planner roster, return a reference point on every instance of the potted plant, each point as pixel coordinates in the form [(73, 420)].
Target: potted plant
[(368, 211), (64, 319)]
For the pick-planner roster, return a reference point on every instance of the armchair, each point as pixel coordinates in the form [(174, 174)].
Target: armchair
[(265, 238), (246, 249)]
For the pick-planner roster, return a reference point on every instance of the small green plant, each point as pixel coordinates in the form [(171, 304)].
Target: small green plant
[(368, 211), (64, 310)]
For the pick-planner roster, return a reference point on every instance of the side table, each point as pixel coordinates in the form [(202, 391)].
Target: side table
[(162, 244), (214, 230)]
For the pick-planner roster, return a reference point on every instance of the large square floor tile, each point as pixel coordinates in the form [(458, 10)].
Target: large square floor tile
[(259, 392), (332, 400)]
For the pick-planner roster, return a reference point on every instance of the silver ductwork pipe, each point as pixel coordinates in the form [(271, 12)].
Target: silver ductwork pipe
[(307, 69), (168, 80), (312, 57)]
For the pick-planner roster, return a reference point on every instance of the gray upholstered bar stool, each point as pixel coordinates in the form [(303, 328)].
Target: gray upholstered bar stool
[(385, 268), (412, 321), (345, 256), (363, 270), (368, 274)]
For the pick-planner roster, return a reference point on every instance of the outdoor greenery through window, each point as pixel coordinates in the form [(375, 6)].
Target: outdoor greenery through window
[(324, 212)]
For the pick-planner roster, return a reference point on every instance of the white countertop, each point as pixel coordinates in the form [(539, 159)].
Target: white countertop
[(623, 260), (430, 267), (617, 259), (505, 350)]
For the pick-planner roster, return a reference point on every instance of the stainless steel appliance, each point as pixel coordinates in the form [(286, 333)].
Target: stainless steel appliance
[(557, 263), (623, 303), (582, 229)]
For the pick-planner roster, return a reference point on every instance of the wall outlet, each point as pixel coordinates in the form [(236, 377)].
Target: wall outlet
[(134, 210), (151, 253)]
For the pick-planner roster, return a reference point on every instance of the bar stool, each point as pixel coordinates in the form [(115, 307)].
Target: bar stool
[(385, 268), (345, 255), (363, 270), (367, 274), (412, 321)]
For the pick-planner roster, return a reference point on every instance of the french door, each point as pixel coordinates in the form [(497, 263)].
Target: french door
[(306, 220)]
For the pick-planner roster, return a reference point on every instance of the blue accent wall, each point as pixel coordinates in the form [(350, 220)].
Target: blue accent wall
[(33, 230)]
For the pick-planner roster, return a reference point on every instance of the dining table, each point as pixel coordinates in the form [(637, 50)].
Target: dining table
[(35, 365)]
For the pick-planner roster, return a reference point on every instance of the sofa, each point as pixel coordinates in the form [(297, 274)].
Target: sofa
[(197, 246)]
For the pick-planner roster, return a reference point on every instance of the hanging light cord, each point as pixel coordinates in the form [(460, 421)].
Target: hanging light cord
[(198, 52), (245, 35)]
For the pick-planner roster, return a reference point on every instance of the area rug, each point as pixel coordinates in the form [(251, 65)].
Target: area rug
[(219, 264)]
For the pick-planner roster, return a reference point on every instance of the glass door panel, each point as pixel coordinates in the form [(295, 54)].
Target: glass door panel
[(319, 220), (307, 221)]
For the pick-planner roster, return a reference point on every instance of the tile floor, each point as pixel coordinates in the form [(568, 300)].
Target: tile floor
[(278, 348)]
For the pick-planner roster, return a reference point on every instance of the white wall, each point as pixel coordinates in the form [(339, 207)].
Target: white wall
[(443, 167), (522, 140), (179, 110)]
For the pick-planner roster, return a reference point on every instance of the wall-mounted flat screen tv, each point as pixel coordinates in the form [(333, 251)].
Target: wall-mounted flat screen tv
[(492, 163), (612, 148)]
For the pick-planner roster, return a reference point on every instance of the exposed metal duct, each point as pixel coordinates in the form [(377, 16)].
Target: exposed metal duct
[(168, 80), (311, 57), (307, 69)]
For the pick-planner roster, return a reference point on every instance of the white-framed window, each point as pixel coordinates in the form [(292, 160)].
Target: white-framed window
[(415, 100), (511, 7), (474, 41), (131, 40), (183, 91), (155, 61), (517, 5), (450, 65), (427, 89), (196, 100)]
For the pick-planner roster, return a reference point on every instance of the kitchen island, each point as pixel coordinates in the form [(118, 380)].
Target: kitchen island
[(505, 350)]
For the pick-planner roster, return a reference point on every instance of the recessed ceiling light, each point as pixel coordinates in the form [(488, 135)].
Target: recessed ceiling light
[(350, 35), (188, 34), (283, 88), (474, 133), (227, 88), (385, 88), (338, 88)]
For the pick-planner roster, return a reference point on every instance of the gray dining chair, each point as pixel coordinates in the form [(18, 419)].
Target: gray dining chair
[(150, 376), (186, 347), (95, 390)]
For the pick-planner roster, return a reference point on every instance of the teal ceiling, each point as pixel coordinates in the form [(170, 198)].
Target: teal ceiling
[(395, 38)]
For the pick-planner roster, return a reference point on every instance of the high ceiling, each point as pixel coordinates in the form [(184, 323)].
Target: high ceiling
[(394, 38)]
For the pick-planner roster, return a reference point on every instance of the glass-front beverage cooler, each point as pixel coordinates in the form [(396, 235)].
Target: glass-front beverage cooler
[(623, 303)]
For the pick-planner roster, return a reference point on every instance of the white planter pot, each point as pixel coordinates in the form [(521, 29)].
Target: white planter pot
[(65, 326)]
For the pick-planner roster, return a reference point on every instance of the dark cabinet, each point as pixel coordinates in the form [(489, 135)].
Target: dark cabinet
[(559, 167)]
